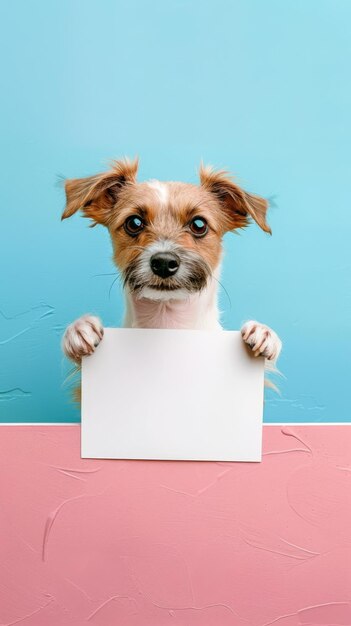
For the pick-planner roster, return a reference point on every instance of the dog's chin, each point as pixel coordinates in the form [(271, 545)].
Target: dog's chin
[(163, 294)]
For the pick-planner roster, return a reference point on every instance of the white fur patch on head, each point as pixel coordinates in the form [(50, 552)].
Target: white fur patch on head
[(161, 190)]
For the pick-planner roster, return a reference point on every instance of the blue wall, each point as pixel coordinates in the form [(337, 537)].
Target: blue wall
[(261, 88)]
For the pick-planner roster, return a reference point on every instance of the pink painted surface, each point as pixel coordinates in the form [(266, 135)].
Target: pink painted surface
[(155, 543)]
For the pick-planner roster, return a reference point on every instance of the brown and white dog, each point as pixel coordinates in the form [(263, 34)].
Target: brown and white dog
[(167, 244)]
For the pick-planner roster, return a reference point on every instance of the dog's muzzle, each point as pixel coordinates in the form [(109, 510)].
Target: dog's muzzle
[(169, 270), (165, 264)]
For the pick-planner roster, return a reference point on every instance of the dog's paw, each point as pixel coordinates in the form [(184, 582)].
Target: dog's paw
[(82, 337), (262, 340)]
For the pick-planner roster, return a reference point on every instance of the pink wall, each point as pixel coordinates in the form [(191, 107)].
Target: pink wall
[(196, 544)]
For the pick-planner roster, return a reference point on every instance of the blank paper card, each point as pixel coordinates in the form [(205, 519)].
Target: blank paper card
[(172, 395)]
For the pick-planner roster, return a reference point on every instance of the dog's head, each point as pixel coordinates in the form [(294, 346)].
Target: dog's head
[(166, 236)]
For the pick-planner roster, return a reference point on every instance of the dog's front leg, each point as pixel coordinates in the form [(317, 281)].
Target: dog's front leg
[(262, 340), (82, 337)]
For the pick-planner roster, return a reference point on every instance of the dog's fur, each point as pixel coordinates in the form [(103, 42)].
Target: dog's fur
[(187, 299)]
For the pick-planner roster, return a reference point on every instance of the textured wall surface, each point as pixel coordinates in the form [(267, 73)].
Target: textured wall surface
[(156, 543), (261, 88)]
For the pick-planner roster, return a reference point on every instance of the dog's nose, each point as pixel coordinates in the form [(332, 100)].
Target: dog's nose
[(164, 264)]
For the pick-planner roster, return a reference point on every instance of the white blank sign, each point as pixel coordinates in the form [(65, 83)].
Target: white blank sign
[(172, 394)]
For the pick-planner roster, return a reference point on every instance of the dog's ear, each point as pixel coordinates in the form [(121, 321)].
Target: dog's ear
[(97, 195), (239, 205)]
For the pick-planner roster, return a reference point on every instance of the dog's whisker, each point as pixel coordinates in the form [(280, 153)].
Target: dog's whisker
[(224, 289), (107, 274), (118, 277)]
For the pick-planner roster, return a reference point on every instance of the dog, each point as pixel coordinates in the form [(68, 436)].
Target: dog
[(167, 245)]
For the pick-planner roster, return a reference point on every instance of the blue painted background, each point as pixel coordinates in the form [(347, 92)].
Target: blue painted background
[(261, 88)]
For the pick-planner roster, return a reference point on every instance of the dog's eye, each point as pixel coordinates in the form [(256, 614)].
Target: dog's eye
[(198, 226), (133, 225)]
